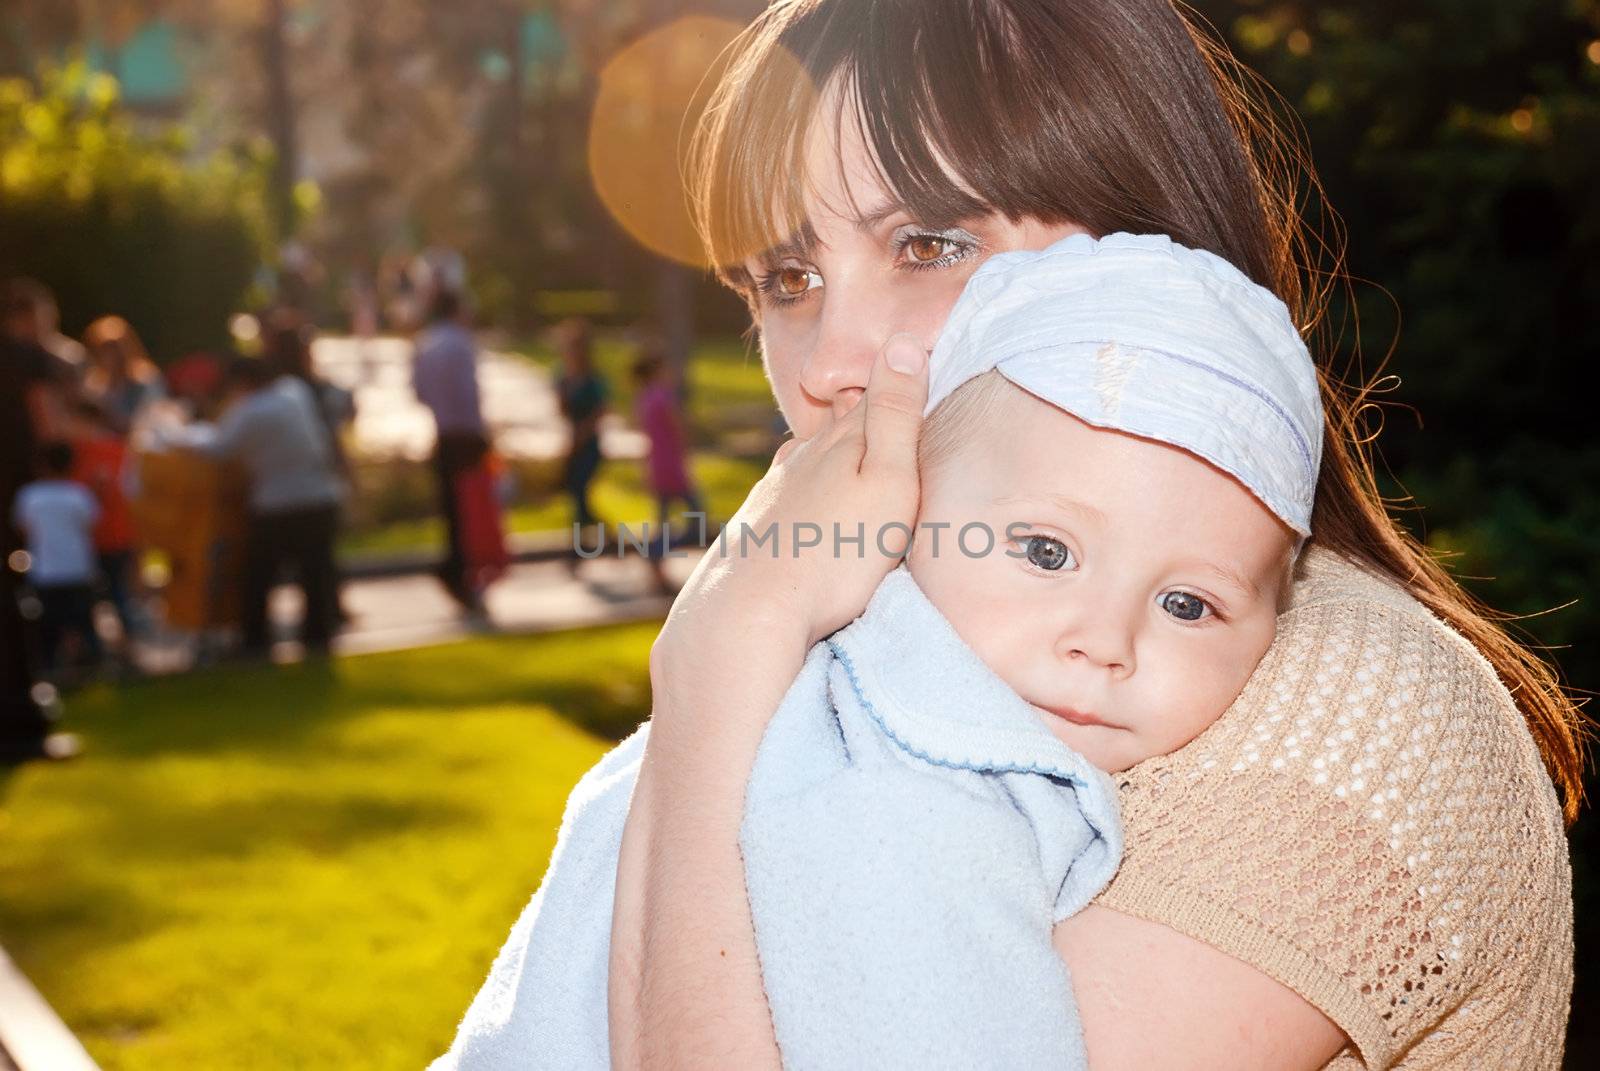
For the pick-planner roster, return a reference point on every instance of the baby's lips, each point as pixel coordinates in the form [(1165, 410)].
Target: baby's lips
[(1075, 716)]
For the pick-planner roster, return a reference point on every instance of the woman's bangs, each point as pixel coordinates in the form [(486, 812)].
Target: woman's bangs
[(746, 161), (926, 105), (933, 138)]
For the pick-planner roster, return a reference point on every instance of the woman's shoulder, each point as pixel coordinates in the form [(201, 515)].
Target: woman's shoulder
[(1370, 823), (1366, 625), (1369, 696), (1323, 577)]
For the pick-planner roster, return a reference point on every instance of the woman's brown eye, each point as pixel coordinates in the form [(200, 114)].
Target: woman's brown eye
[(925, 248), (794, 281)]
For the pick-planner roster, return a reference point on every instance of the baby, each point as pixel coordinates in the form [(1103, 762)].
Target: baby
[(1137, 589), (1145, 448), (1117, 472)]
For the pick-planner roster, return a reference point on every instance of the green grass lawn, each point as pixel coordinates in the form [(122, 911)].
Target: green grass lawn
[(302, 867)]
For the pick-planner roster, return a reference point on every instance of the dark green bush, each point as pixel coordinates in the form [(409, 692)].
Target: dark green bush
[(119, 221)]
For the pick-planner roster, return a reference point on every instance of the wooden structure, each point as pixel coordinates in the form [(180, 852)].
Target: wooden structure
[(192, 510)]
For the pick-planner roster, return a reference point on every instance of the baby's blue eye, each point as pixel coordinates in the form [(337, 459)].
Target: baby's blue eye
[(1183, 606), (1046, 553)]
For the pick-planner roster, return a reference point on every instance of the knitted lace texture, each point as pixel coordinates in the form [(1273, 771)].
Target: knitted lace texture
[(1371, 825)]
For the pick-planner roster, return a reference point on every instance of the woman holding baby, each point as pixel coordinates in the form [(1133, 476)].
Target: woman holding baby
[(1362, 862)]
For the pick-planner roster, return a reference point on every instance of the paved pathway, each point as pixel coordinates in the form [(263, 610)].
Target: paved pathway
[(412, 610), (533, 597), (518, 402), (32, 1038)]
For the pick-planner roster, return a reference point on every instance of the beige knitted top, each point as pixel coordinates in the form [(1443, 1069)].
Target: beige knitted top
[(1371, 825)]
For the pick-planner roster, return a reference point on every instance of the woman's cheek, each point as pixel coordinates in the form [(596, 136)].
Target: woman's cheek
[(781, 359)]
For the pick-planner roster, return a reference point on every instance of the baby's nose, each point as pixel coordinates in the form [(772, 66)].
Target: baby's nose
[(1099, 640)]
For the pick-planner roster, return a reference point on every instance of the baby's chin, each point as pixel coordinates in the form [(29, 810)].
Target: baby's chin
[(1108, 749)]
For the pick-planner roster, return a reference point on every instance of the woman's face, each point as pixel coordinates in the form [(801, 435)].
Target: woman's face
[(873, 271), (112, 357)]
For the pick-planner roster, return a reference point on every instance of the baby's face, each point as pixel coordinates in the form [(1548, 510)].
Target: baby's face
[(1141, 585)]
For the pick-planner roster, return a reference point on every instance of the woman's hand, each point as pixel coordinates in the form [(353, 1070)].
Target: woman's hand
[(685, 985), (820, 530)]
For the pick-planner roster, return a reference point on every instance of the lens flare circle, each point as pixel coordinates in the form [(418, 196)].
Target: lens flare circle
[(649, 97)]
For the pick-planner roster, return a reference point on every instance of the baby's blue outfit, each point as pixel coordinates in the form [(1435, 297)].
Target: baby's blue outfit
[(912, 832)]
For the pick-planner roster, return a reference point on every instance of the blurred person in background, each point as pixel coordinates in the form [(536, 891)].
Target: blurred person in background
[(297, 276), (57, 516), (440, 269), (364, 307), (658, 413), (121, 378), (361, 300), (444, 374), (582, 394), (39, 321), (29, 389), (274, 429), (27, 316), (397, 292), (101, 462), (286, 349), (195, 380)]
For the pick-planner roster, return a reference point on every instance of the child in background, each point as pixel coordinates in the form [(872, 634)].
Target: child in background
[(100, 463), (581, 391), (57, 516), (656, 410)]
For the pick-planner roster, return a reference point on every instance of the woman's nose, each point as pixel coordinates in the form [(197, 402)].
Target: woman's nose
[(836, 370)]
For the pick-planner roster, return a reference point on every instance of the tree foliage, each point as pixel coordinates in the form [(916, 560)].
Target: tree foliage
[(1456, 140), (118, 221)]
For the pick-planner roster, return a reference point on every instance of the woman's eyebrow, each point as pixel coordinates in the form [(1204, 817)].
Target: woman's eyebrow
[(800, 245), (869, 221)]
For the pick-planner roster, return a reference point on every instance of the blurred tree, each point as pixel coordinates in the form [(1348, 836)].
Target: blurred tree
[(414, 123), (280, 115), (1456, 138), (47, 30), (29, 29), (119, 222)]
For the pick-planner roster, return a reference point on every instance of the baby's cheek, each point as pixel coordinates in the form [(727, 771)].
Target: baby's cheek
[(1197, 694)]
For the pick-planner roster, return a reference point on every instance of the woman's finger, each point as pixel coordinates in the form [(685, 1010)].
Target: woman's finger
[(897, 390)]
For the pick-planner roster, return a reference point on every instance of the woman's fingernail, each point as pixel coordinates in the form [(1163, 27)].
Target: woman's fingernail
[(905, 355)]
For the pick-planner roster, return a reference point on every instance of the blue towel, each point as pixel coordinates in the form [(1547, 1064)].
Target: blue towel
[(912, 832)]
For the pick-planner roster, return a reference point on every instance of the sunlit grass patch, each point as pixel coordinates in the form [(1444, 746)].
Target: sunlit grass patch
[(308, 866)]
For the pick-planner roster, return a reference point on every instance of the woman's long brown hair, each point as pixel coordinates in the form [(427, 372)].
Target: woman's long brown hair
[(115, 331), (1120, 115)]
